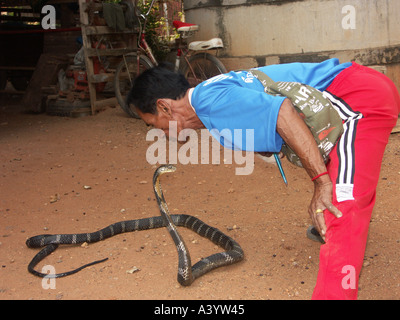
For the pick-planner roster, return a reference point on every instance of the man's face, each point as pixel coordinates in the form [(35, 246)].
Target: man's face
[(161, 120)]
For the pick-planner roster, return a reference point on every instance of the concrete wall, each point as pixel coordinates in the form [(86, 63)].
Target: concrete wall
[(258, 32)]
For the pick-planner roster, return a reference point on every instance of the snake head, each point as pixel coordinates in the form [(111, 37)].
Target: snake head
[(165, 168), (161, 170), (156, 179)]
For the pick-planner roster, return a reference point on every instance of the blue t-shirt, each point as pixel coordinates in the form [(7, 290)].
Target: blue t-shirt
[(241, 116)]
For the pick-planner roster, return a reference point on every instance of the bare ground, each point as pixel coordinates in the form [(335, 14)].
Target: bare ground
[(47, 161)]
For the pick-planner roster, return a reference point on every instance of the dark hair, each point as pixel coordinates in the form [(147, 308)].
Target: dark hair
[(156, 83)]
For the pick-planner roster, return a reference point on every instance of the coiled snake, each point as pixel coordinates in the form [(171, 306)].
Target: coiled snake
[(186, 272)]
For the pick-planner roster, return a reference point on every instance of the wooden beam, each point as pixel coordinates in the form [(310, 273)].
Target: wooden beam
[(101, 77), (106, 103), (91, 30), (92, 52)]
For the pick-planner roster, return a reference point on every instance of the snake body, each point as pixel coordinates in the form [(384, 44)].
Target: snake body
[(186, 272)]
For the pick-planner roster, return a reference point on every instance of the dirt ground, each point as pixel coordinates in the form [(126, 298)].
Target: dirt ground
[(75, 175)]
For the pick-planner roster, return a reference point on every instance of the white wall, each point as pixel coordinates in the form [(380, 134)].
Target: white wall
[(272, 27)]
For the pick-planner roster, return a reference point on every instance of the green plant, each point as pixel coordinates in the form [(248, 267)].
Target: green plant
[(152, 25), (156, 34)]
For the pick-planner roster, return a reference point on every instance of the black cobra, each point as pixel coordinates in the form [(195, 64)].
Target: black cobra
[(186, 272)]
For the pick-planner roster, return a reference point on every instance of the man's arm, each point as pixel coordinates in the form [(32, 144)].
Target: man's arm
[(297, 135)]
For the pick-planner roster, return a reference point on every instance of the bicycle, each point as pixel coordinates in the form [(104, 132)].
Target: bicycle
[(199, 64)]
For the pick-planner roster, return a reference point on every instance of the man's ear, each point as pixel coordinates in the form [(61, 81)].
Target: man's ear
[(164, 107)]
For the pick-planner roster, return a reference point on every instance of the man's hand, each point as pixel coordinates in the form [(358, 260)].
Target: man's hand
[(321, 201)]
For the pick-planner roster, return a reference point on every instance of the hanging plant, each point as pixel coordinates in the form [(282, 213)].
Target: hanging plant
[(155, 29)]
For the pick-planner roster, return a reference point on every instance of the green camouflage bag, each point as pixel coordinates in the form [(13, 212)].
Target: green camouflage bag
[(317, 111)]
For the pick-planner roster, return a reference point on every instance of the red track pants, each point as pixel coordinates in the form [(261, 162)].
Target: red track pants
[(369, 104)]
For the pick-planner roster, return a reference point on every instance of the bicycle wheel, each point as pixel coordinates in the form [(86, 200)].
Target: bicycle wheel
[(125, 73), (205, 66)]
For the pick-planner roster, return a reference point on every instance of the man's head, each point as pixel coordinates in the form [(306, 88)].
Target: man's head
[(159, 96), (153, 84)]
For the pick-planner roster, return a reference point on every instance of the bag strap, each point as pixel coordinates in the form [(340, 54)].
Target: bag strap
[(317, 110), (305, 98)]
